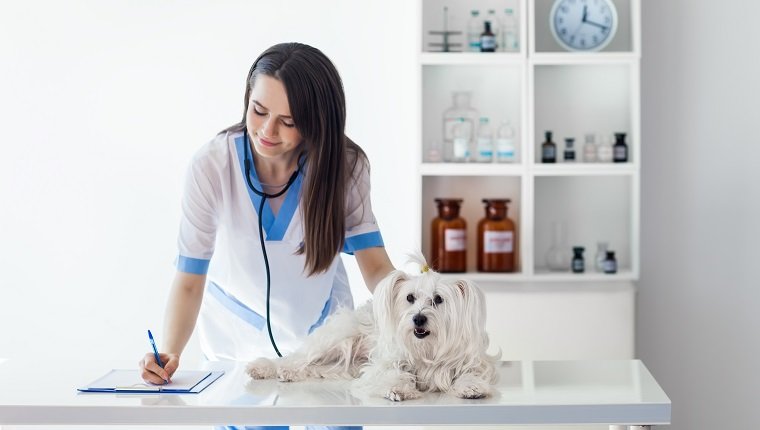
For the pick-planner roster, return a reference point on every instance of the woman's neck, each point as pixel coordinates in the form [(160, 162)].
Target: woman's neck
[(275, 171)]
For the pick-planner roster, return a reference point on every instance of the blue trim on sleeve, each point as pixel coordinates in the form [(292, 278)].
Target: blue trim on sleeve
[(362, 241), (192, 265)]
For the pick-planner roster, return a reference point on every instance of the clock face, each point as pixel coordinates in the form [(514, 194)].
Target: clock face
[(583, 25)]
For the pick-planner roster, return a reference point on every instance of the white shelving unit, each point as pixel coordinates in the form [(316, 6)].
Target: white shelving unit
[(540, 88)]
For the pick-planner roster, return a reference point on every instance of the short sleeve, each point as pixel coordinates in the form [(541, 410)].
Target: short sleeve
[(198, 223), (362, 230)]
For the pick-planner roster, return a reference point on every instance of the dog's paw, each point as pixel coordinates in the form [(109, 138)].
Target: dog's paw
[(471, 390), (285, 374), (398, 394), (261, 368)]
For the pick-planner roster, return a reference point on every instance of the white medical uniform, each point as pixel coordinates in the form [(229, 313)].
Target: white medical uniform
[(219, 219)]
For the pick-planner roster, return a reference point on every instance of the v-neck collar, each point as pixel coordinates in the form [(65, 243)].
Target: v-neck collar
[(274, 226)]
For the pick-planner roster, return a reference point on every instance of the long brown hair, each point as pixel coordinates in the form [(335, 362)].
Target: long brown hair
[(318, 107)]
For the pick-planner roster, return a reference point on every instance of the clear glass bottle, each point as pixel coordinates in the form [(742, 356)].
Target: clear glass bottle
[(620, 149), (474, 28), (448, 236), (460, 109), (548, 149), (601, 255), (484, 142), (578, 265), (506, 150), (569, 154), (496, 238), (508, 36), (557, 257), (604, 150), (589, 149), (487, 38)]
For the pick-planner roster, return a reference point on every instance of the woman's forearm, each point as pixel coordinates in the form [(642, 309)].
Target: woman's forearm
[(182, 309)]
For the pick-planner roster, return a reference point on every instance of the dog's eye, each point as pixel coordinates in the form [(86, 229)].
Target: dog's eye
[(437, 299), (410, 298)]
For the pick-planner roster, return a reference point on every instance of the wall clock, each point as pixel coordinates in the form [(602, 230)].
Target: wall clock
[(583, 25)]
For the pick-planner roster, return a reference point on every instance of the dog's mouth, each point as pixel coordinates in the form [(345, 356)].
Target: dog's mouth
[(420, 332)]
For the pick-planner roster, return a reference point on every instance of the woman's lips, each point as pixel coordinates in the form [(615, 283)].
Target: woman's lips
[(265, 142)]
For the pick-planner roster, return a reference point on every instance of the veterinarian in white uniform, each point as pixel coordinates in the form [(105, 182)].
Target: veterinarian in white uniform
[(291, 139)]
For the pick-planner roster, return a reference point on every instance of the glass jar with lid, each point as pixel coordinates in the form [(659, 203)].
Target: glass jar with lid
[(448, 238), (496, 238)]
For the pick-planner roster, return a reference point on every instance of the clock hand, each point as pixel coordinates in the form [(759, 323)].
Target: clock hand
[(596, 24), (585, 12)]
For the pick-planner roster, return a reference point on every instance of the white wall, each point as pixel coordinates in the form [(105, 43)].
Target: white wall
[(698, 324), (102, 105)]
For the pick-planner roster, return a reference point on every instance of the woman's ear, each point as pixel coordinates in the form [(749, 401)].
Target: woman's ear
[(384, 299)]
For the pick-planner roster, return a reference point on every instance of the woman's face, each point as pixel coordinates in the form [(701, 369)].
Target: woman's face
[(268, 119)]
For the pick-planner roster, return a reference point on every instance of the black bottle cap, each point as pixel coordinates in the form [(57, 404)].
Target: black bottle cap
[(610, 254), (578, 249), (619, 136), (548, 135)]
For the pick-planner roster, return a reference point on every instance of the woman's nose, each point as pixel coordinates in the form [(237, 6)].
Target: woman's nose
[(270, 127)]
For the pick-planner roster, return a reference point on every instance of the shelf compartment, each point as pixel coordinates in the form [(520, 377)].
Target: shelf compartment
[(458, 17), (592, 209), (496, 93), (575, 100), (471, 58), (472, 189), (623, 41)]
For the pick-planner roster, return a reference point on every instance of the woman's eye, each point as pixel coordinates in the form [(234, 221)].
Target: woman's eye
[(257, 112), (288, 124), (410, 298), (437, 299)]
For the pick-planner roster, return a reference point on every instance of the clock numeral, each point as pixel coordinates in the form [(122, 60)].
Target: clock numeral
[(564, 9), (563, 31), (596, 39), (583, 42), (561, 20)]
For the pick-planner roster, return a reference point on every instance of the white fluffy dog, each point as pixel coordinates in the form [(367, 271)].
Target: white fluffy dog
[(418, 334)]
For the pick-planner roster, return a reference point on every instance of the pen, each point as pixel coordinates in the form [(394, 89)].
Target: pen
[(155, 351)]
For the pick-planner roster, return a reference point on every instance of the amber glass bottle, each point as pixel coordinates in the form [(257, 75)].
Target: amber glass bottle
[(449, 238), (496, 238)]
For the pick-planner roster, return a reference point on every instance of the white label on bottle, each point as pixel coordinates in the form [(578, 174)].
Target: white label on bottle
[(455, 239), (487, 43), (498, 242), (460, 148)]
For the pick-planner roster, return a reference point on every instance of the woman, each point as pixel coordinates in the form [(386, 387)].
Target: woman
[(288, 174)]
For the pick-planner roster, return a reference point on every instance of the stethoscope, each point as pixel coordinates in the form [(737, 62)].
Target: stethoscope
[(247, 159)]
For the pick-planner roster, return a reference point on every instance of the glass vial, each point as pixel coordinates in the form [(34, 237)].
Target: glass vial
[(610, 264), (487, 39), (506, 150), (589, 149), (620, 149), (569, 154), (601, 255), (578, 264), (557, 257), (548, 149), (604, 150), (496, 238), (474, 27), (508, 39), (484, 146), (448, 238)]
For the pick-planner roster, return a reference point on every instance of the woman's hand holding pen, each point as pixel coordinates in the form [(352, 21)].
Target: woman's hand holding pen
[(155, 374)]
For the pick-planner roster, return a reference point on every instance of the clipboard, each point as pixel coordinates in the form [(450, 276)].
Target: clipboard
[(130, 381)]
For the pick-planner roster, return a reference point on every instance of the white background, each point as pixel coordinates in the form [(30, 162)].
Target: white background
[(103, 103)]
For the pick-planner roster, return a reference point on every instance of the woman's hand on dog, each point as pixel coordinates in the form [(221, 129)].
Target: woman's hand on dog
[(153, 373)]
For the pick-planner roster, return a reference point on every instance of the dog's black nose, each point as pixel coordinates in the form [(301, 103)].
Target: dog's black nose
[(419, 320)]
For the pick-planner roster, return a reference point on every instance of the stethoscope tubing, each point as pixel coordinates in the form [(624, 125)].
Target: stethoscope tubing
[(264, 196)]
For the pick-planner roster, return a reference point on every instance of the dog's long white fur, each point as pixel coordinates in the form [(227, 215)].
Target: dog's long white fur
[(377, 343)]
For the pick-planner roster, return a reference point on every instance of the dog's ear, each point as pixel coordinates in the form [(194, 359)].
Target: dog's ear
[(473, 300), (385, 296)]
